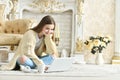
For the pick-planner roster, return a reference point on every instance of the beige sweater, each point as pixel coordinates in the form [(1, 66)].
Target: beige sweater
[(28, 42)]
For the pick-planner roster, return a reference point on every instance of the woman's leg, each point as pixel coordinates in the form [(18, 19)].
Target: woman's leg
[(24, 60), (48, 59)]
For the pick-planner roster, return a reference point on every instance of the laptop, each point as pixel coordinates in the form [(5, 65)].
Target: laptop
[(60, 64)]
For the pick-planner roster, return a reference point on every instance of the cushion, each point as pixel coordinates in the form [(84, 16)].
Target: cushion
[(6, 39), (18, 26)]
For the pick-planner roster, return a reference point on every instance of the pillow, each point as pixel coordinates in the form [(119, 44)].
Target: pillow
[(7, 39), (1, 26), (17, 26)]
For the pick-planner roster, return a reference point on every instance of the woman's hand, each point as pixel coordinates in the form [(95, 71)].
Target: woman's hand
[(50, 45), (48, 36)]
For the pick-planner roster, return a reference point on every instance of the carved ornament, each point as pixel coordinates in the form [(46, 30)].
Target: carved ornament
[(48, 6), (79, 10)]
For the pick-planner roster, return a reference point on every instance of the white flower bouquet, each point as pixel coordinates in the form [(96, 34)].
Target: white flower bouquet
[(96, 43)]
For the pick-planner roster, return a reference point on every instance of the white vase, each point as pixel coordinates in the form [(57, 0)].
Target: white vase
[(99, 59)]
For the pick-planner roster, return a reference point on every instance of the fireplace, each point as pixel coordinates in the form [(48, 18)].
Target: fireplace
[(65, 22)]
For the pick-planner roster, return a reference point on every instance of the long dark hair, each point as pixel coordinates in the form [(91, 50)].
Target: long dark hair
[(45, 20)]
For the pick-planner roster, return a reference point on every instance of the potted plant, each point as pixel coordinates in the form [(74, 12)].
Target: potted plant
[(96, 44)]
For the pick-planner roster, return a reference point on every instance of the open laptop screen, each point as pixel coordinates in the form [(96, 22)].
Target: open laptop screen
[(60, 64)]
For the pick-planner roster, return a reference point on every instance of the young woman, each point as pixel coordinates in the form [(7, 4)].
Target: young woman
[(36, 47)]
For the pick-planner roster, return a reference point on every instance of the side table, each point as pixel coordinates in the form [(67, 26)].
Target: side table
[(4, 52)]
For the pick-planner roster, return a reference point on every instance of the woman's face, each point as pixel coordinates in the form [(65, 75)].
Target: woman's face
[(48, 29)]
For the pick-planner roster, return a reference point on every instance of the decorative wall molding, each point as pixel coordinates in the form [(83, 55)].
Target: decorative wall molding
[(49, 6), (116, 57), (79, 4), (79, 21), (13, 9)]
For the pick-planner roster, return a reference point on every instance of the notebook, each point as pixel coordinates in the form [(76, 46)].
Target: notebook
[(60, 64)]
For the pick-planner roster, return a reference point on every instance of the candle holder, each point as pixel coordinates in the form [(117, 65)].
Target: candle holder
[(57, 41)]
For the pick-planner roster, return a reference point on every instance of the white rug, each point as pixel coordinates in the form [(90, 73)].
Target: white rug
[(77, 70)]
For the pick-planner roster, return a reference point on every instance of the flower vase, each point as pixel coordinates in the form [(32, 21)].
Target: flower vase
[(99, 59)]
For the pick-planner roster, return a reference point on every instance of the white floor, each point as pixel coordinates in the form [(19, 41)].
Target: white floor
[(77, 72)]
